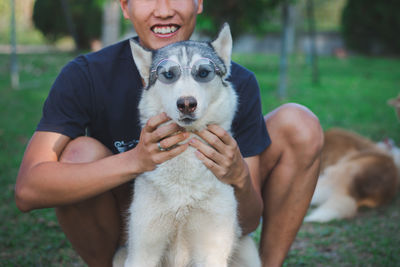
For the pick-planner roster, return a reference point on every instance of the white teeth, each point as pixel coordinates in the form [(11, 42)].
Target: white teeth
[(165, 30)]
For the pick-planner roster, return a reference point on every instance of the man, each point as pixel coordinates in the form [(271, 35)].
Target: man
[(88, 181)]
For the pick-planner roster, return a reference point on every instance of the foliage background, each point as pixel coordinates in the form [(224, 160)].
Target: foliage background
[(372, 27), (328, 15), (242, 16), (86, 20)]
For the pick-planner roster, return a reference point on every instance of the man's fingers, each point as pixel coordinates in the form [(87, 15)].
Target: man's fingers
[(223, 135), (165, 131), (207, 151), (169, 154), (218, 138), (210, 164), (212, 139), (157, 131), (170, 141), (156, 121)]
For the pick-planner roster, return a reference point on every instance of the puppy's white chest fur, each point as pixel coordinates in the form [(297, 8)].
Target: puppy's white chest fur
[(184, 183), (181, 213)]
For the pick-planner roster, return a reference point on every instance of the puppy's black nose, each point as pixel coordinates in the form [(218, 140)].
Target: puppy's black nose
[(186, 104)]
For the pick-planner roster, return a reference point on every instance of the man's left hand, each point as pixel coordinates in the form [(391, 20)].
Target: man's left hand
[(221, 155)]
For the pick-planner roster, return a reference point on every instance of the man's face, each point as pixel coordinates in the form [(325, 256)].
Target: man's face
[(162, 22)]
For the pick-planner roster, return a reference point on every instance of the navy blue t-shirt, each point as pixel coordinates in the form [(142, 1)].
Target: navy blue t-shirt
[(98, 94)]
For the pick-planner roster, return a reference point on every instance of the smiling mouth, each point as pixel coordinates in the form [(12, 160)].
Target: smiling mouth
[(165, 29)]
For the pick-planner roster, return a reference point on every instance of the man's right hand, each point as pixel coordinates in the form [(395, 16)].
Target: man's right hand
[(155, 134)]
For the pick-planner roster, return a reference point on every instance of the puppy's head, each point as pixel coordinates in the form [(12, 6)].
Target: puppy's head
[(187, 81)]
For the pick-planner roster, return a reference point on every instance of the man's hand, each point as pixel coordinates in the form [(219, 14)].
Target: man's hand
[(222, 156), (153, 135)]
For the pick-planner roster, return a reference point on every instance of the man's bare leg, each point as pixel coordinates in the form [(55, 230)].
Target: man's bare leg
[(289, 171), (94, 226)]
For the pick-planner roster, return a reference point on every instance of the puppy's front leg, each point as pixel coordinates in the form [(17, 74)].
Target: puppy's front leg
[(149, 231), (213, 238)]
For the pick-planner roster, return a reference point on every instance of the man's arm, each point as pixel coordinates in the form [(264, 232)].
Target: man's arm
[(44, 181), (224, 159)]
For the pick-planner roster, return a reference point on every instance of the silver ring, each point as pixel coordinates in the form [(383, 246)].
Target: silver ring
[(160, 147)]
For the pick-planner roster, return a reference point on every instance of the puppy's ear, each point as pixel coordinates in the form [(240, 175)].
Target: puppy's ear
[(223, 45), (142, 58)]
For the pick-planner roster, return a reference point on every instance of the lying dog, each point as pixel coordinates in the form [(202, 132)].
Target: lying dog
[(355, 172), (181, 214)]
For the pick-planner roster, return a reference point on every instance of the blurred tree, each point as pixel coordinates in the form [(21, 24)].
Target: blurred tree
[(111, 26), (14, 60), (82, 20), (251, 17), (313, 41), (372, 27), (283, 60), (69, 21), (242, 16)]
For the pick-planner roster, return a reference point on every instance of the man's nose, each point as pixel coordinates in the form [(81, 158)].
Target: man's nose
[(163, 9)]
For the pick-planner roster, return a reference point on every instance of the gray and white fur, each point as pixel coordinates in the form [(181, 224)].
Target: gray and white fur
[(181, 214)]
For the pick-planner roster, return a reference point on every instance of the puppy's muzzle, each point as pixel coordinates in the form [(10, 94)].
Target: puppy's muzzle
[(186, 105)]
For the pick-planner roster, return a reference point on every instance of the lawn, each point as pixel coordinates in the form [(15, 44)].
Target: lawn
[(352, 93)]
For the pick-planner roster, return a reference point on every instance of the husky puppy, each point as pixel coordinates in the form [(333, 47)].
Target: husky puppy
[(355, 172), (181, 214)]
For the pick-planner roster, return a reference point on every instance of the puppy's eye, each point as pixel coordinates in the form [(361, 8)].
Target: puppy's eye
[(169, 75), (203, 73), (168, 72)]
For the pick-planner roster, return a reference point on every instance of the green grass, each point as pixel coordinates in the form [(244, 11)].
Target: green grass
[(352, 93), (32, 239)]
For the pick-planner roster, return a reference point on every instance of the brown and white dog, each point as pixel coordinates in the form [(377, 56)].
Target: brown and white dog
[(355, 172)]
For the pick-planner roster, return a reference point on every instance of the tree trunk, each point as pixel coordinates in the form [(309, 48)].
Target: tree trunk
[(70, 23), (111, 22), (14, 60), (313, 46), (283, 65)]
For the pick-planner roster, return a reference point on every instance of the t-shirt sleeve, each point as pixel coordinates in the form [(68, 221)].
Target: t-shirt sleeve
[(67, 107), (249, 129)]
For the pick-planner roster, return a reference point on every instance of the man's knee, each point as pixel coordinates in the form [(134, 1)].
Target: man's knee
[(80, 150), (84, 149), (299, 128)]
